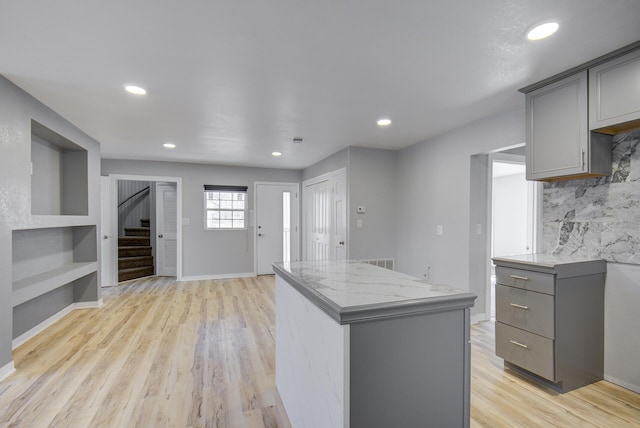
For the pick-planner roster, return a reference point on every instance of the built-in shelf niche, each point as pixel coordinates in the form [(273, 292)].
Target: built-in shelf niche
[(59, 176), (49, 258)]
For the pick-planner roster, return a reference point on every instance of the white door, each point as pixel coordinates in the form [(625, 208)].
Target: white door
[(318, 220), (106, 239), (166, 229), (276, 225), (340, 214)]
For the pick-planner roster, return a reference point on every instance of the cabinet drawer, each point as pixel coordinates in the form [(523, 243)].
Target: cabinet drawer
[(527, 350), (526, 279), (526, 310)]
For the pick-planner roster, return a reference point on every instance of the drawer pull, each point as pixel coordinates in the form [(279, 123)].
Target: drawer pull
[(524, 278), (515, 305), (522, 345)]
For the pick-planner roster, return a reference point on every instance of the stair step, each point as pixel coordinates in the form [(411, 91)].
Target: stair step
[(145, 222), (133, 273), (137, 231), (133, 241), (132, 262), (134, 251)]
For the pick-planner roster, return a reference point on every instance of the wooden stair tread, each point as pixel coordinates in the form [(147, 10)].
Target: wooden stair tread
[(137, 231)]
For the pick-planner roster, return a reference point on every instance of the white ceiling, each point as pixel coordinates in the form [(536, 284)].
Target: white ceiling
[(231, 81)]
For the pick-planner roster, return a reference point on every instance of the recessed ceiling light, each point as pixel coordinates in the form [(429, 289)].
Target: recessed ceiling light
[(542, 31), (169, 146), (384, 122), (276, 154), (136, 90)]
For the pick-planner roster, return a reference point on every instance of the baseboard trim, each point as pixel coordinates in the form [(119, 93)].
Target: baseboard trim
[(7, 370), (627, 385), (51, 320), (475, 319), (221, 276), (88, 305)]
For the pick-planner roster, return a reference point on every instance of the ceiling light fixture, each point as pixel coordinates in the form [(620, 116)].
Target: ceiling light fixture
[(384, 122), (276, 154), (169, 146), (136, 90), (542, 31)]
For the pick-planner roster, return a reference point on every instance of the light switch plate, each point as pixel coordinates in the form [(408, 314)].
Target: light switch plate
[(439, 230), (359, 223)]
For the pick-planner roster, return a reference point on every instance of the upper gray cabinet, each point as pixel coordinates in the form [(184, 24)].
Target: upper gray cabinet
[(614, 94), (559, 144)]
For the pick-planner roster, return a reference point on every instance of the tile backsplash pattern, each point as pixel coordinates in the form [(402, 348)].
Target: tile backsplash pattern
[(598, 217)]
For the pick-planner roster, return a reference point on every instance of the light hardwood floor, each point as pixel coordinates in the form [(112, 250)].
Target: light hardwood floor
[(165, 354)]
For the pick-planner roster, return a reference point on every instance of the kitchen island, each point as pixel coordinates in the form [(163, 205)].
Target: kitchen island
[(362, 346)]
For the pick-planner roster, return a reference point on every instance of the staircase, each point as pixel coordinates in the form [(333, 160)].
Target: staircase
[(134, 252)]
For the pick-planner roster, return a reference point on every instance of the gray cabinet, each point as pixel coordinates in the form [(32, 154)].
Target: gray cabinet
[(614, 94), (550, 319), (559, 144)]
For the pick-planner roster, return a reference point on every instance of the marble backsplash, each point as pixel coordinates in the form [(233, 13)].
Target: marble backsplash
[(598, 217)]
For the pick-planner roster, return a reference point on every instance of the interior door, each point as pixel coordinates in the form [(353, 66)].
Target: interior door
[(276, 225), (340, 215), (106, 238), (166, 229), (319, 221)]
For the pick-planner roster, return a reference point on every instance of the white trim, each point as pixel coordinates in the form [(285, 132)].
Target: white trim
[(622, 383), (7, 370), (220, 276), (29, 334), (328, 176), (88, 305), (475, 319), (114, 215)]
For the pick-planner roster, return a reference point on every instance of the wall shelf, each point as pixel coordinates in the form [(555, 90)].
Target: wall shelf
[(59, 176), (41, 283)]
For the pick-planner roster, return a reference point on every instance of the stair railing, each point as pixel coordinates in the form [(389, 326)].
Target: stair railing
[(146, 189)]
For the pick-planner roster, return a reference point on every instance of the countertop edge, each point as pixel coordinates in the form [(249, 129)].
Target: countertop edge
[(378, 311), (561, 270)]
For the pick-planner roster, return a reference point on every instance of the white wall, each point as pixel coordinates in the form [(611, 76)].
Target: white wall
[(207, 253), (509, 215)]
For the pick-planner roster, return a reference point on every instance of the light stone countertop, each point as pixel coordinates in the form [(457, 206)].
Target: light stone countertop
[(351, 291), (560, 264)]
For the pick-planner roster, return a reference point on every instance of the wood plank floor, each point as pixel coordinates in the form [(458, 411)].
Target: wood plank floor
[(201, 354)]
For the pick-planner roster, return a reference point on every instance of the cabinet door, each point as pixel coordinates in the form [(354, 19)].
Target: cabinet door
[(614, 93), (557, 129)]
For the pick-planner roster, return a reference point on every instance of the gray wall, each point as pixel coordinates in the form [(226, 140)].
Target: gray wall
[(332, 163), (372, 184), (17, 108), (435, 180), (207, 252)]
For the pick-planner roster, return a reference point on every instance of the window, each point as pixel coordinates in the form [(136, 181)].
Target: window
[(225, 207)]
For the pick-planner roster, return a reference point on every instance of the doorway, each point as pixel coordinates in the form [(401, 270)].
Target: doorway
[(165, 200), (324, 231), (513, 211), (484, 217), (277, 228)]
